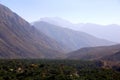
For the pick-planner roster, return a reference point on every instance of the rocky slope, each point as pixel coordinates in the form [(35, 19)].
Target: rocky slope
[(18, 39)]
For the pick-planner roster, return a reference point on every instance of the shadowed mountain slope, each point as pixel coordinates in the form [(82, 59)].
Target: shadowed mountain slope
[(94, 53), (113, 57)]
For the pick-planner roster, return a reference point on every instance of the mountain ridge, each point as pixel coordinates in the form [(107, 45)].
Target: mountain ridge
[(94, 53), (72, 39), (18, 39), (108, 32)]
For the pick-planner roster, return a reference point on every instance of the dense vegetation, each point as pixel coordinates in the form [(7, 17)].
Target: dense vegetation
[(55, 70)]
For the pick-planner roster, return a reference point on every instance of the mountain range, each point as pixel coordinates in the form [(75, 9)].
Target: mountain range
[(109, 32), (18, 39), (70, 38)]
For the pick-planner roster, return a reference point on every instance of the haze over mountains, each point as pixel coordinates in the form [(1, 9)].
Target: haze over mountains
[(72, 39), (60, 29), (108, 32), (18, 39), (50, 40)]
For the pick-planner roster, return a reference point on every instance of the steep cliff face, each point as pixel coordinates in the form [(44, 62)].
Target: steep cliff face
[(18, 39)]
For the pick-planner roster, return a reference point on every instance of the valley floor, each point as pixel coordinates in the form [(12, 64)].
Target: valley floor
[(35, 69)]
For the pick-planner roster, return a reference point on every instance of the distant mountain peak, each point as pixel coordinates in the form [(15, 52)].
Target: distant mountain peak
[(108, 32), (57, 21)]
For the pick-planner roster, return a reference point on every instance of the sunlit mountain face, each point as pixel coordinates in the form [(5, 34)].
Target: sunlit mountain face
[(18, 39)]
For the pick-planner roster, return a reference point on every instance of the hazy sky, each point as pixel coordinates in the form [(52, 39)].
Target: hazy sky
[(86, 11)]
